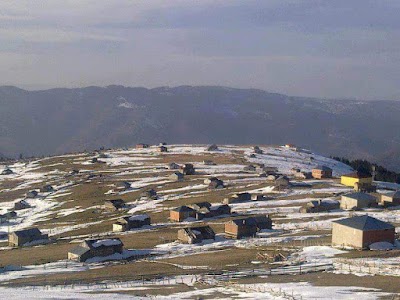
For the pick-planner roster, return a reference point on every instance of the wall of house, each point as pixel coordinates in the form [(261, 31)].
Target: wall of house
[(349, 203), (373, 236), (389, 200), (350, 181), (346, 236)]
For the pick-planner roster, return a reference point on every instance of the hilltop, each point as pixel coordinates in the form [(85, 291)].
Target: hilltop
[(154, 262)]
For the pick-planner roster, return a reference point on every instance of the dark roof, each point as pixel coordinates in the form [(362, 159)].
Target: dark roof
[(79, 250), (364, 223), (28, 232), (358, 175), (183, 208), (360, 196), (246, 222)]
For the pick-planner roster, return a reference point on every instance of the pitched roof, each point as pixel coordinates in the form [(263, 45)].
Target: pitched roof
[(28, 232), (360, 196), (182, 209), (357, 175), (364, 223), (395, 194), (79, 250)]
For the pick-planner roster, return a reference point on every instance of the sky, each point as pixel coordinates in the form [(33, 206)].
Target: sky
[(316, 48)]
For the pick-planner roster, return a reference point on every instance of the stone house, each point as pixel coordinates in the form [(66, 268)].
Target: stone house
[(361, 231), (194, 235), (128, 223), (316, 206), (114, 205), (177, 176), (321, 172), (390, 199), (23, 237), (96, 248), (22, 204), (181, 213), (357, 200)]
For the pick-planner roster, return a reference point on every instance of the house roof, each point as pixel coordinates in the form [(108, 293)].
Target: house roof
[(28, 232), (364, 223), (357, 175), (323, 168), (79, 250), (360, 196), (246, 222), (395, 194), (104, 243), (183, 209)]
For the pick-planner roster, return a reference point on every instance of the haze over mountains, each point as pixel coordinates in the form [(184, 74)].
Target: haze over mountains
[(62, 120)]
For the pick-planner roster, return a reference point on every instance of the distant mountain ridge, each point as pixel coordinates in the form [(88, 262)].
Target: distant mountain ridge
[(63, 120)]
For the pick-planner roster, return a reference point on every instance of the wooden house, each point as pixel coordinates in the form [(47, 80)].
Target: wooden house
[(114, 205), (213, 211), (25, 237), (128, 223), (321, 172), (361, 231), (96, 248), (181, 213), (303, 175), (316, 206), (282, 182), (250, 168), (7, 216), (357, 200), (194, 235), (237, 198)]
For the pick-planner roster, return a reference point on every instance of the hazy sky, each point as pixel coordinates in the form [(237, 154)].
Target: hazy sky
[(327, 48)]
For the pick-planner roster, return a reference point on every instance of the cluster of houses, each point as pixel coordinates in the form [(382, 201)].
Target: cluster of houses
[(198, 211), (358, 232)]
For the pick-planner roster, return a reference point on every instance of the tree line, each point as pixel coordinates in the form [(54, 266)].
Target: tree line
[(364, 166)]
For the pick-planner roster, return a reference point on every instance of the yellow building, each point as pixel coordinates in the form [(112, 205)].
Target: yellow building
[(353, 178)]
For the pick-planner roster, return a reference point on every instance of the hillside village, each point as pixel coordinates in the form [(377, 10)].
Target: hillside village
[(198, 222)]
